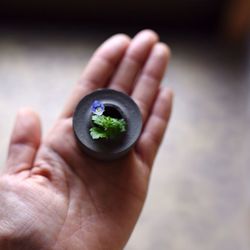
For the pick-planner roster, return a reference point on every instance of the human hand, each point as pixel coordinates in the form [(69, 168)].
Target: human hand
[(52, 195)]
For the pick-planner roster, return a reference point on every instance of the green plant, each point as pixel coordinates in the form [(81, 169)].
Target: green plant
[(105, 127)]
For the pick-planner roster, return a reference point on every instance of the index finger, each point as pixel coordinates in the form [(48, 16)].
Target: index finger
[(98, 71)]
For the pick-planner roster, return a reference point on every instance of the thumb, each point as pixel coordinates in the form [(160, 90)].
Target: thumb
[(24, 142)]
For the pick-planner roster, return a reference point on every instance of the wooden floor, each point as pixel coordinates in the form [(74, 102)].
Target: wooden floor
[(199, 194)]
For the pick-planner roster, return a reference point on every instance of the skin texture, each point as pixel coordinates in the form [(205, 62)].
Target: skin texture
[(52, 195)]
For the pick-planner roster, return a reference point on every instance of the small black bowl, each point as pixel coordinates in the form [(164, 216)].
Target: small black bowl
[(117, 105)]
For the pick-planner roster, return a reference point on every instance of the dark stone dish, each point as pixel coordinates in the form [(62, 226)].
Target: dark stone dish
[(117, 105)]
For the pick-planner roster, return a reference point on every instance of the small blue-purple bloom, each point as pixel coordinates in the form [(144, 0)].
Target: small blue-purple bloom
[(97, 108)]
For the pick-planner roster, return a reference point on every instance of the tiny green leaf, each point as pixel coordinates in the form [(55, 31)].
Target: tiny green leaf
[(106, 127), (97, 133)]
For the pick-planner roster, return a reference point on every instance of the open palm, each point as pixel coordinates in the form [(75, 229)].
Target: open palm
[(52, 195)]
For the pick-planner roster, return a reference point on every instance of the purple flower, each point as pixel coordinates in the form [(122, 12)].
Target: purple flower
[(97, 107)]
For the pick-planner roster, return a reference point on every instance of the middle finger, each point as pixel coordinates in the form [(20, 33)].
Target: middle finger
[(133, 61)]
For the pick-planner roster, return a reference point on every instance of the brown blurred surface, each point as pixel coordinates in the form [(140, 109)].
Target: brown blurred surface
[(199, 193), (237, 19)]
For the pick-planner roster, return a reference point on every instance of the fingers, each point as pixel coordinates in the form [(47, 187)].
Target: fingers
[(98, 71), (155, 127), (134, 59), (148, 83), (25, 141)]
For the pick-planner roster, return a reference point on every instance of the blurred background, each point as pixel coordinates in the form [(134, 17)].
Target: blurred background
[(199, 196)]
